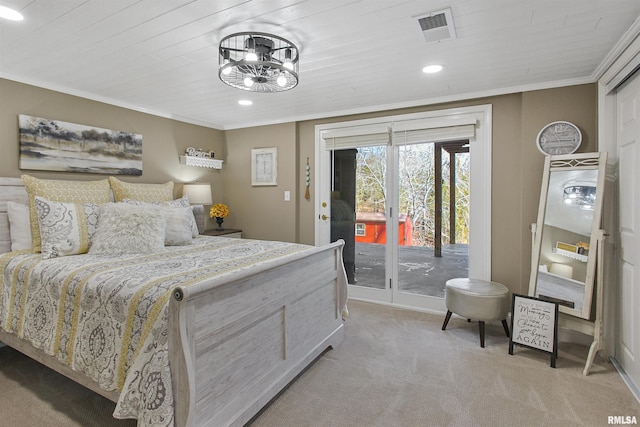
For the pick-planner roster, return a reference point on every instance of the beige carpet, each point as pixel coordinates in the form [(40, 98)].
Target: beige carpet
[(395, 368)]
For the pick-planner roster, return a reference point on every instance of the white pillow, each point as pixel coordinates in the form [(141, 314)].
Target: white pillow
[(184, 202), (19, 226), (178, 229), (65, 228), (129, 229)]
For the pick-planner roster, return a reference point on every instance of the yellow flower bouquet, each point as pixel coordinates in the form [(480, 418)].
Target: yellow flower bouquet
[(219, 210)]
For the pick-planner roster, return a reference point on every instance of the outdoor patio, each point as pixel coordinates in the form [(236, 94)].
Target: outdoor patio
[(420, 272)]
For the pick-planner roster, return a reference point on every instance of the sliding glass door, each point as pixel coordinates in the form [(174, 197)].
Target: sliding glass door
[(358, 206), (399, 195), (433, 182)]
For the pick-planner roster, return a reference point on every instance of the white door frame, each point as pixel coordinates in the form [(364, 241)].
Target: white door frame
[(480, 200)]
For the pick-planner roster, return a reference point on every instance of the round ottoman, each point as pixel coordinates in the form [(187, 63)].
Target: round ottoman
[(479, 300)]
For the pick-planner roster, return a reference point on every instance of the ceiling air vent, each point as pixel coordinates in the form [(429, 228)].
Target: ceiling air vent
[(437, 26)]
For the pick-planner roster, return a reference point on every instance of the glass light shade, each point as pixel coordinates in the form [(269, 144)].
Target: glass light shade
[(225, 61), (287, 60), (251, 50), (198, 194)]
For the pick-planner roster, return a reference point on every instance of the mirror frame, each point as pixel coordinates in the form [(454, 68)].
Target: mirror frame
[(584, 161)]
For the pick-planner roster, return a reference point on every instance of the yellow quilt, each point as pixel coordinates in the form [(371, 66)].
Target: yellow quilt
[(106, 316)]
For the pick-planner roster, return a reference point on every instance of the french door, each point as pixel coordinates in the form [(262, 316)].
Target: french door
[(367, 185)]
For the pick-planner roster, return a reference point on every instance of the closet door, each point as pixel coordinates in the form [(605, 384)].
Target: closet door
[(628, 141)]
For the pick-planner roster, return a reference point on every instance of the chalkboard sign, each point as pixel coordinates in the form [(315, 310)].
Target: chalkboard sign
[(534, 324)]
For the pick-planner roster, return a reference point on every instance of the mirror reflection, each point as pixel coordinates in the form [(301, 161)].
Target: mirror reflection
[(566, 237)]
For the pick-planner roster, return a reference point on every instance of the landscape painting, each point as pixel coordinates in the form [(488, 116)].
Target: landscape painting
[(53, 145)]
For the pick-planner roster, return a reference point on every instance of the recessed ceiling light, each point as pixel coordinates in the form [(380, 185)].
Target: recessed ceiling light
[(10, 14), (245, 102), (430, 69)]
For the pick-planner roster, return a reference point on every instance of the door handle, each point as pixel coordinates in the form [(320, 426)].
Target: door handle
[(324, 217)]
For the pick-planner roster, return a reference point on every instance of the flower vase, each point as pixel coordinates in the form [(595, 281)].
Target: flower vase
[(219, 220)]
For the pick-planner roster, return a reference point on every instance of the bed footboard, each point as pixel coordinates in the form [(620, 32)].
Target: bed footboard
[(234, 345)]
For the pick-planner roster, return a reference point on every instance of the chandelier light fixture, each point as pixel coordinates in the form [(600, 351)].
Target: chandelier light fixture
[(258, 62)]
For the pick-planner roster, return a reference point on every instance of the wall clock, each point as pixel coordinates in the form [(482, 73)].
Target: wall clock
[(559, 138)]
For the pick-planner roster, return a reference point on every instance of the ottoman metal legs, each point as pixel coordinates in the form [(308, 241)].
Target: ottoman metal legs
[(480, 300)]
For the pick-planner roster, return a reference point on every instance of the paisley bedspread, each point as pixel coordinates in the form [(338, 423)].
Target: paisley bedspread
[(106, 316)]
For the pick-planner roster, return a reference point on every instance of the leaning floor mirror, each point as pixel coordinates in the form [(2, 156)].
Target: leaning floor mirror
[(566, 233)]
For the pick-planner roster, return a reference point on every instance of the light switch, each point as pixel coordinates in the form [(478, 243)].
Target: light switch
[(287, 196)]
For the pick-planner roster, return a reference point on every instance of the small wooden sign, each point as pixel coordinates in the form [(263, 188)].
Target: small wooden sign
[(534, 324)]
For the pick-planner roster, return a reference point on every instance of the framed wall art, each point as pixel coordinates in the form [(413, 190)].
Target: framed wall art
[(54, 145), (264, 166)]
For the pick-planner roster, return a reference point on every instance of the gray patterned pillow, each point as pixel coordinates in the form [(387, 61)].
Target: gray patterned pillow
[(129, 229), (65, 228), (183, 202)]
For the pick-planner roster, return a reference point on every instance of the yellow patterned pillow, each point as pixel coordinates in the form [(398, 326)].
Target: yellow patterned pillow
[(142, 192), (62, 191)]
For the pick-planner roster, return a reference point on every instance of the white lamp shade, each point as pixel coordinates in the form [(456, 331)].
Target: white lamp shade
[(198, 194)]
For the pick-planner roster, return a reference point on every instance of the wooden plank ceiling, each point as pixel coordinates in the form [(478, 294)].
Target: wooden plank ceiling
[(160, 56)]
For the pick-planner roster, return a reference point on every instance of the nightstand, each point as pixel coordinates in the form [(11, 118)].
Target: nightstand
[(227, 232)]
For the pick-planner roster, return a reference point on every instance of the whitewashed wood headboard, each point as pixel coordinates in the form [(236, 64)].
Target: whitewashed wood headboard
[(12, 189)]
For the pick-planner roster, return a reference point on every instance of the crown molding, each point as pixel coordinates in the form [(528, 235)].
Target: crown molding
[(423, 102), (315, 116), (105, 100), (617, 50)]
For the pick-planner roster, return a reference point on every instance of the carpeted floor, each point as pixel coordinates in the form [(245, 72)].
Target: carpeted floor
[(394, 368)]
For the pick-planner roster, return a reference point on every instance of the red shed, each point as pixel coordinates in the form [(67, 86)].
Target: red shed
[(372, 228)]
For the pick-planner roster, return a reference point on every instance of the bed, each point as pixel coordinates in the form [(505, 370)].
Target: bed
[(210, 340)]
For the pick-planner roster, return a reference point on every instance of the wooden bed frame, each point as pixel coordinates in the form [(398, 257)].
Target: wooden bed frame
[(234, 344)]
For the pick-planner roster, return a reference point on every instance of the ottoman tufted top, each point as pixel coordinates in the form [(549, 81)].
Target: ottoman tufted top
[(477, 287)]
